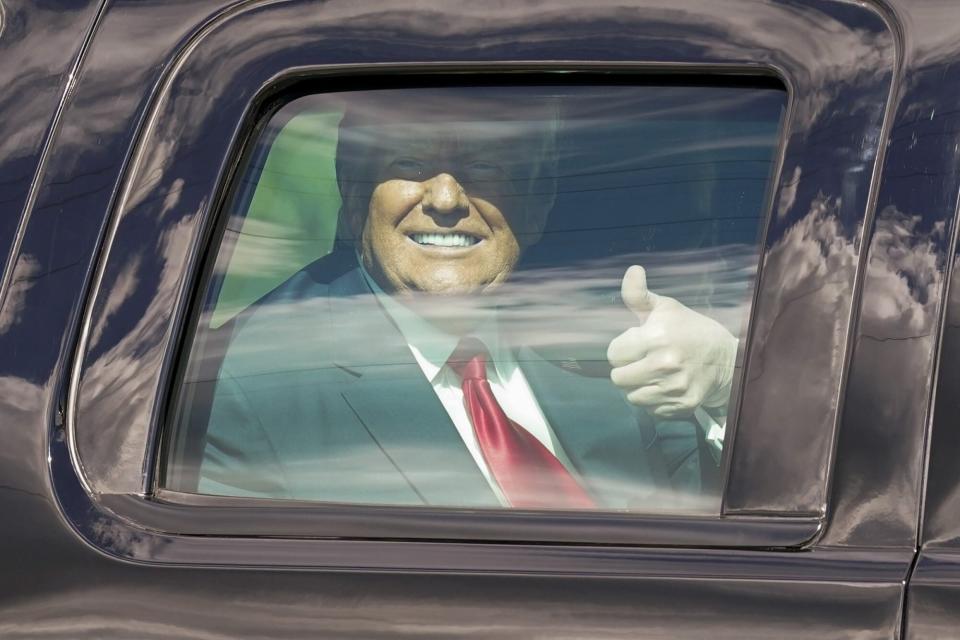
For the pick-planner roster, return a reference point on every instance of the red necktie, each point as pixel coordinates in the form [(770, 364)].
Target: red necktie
[(528, 474)]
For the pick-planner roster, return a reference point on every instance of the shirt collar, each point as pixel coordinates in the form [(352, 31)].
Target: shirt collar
[(431, 346)]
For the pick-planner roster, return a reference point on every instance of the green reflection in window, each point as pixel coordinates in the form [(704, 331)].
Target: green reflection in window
[(292, 218)]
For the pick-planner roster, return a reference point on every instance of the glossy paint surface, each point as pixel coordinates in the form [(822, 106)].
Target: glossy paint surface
[(848, 584), (935, 584), (39, 47), (927, 179), (881, 447)]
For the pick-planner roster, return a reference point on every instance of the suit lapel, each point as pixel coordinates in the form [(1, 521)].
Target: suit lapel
[(612, 444), (397, 405)]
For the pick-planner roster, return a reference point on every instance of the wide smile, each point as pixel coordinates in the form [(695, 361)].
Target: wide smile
[(446, 240)]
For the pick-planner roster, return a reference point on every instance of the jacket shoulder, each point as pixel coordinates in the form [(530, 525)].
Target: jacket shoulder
[(289, 328)]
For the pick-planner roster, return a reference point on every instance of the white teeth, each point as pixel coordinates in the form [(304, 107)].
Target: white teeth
[(445, 239)]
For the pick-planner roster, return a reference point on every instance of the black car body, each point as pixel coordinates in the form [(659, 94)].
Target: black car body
[(119, 124)]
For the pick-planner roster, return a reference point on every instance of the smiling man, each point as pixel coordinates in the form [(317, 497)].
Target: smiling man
[(392, 370)]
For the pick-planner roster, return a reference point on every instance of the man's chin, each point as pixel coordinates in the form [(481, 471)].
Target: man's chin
[(444, 292), (443, 282), (452, 307), (449, 289)]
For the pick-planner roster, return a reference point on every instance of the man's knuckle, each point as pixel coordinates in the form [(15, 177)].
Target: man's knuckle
[(639, 396), (618, 376), (612, 351), (664, 411), (618, 351), (670, 360)]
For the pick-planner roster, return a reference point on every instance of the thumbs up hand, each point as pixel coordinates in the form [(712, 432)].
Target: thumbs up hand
[(675, 359)]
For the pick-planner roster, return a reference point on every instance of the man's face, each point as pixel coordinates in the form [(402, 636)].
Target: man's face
[(448, 213)]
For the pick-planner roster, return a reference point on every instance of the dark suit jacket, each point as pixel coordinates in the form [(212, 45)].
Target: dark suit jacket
[(319, 398)]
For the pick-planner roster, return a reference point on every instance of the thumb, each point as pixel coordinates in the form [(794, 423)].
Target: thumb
[(634, 291)]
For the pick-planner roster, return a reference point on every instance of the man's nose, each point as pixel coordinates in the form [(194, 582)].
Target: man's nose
[(443, 194)]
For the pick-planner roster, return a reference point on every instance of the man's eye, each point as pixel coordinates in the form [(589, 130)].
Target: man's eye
[(407, 169), (484, 171)]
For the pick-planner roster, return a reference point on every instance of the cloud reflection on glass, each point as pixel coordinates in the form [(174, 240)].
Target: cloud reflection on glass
[(673, 178)]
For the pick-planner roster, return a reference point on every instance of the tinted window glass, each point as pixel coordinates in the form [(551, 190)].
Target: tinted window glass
[(481, 297)]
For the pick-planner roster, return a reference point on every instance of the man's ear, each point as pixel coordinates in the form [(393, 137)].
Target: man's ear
[(352, 219), (538, 210), (540, 201)]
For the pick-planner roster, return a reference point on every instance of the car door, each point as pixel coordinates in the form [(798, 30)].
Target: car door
[(932, 583), (809, 534)]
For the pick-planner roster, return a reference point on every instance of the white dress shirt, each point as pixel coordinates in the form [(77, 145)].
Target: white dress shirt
[(432, 348)]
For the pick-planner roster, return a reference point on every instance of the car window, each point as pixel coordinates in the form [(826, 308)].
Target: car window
[(485, 297)]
